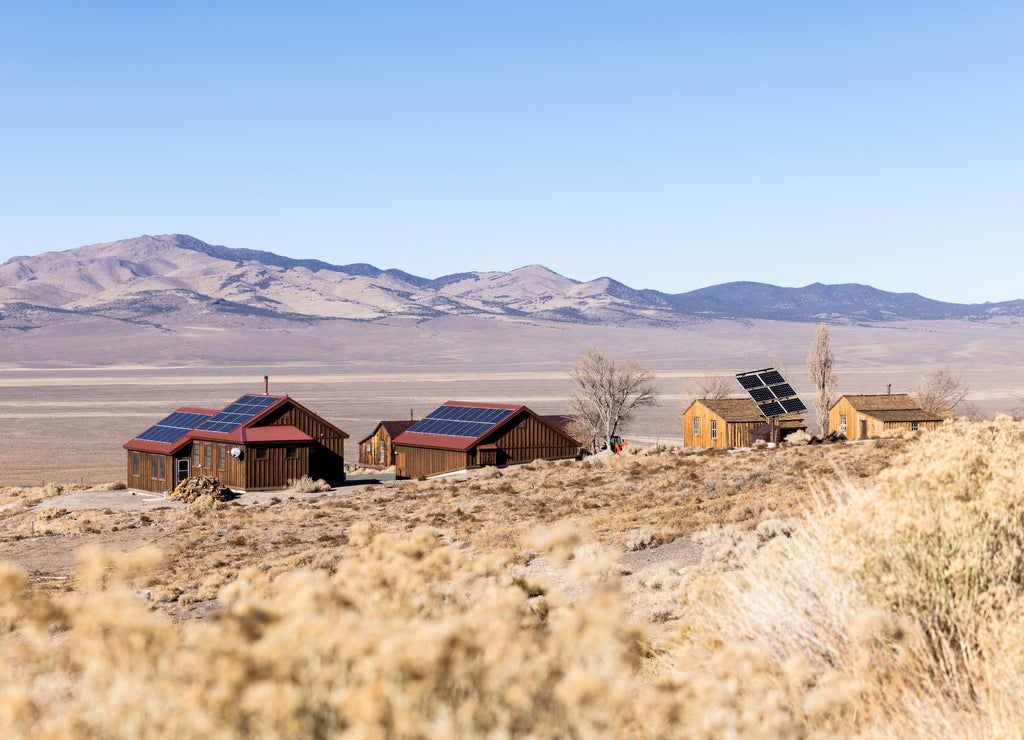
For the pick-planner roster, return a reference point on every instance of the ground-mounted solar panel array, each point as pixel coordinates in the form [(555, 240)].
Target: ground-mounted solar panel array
[(460, 421), (244, 409), (770, 391), (174, 427)]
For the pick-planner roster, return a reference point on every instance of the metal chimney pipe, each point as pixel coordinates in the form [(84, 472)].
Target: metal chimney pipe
[(266, 386)]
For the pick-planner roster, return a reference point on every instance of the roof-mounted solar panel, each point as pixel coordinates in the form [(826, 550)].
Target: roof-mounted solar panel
[(238, 413), (460, 421), (173, 427)]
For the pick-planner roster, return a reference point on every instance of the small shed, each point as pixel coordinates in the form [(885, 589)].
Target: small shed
[(728, 423), (868, 416), (465, 434), (378, 448), (256, 442)]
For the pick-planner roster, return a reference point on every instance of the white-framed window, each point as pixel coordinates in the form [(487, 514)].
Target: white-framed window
[(696, 426), (913, 426), (842, 424), (714, 429)]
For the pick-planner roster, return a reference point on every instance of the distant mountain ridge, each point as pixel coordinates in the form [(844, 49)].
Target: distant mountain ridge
[(177, 280)]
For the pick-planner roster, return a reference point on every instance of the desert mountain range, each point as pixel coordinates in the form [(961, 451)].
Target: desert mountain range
[(177, 280)]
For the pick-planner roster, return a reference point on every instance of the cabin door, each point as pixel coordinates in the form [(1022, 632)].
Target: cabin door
[(182, 469), (863, 428), (400, 464)]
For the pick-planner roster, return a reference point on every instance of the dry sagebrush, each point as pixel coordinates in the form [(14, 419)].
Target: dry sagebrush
[(892, 609)]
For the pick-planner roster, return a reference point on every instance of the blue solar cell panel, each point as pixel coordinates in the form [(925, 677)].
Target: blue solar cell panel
[(173, 427), (792, 405), (749, 381), (460, 421), (237, 414), (771, 409), (782, 390)]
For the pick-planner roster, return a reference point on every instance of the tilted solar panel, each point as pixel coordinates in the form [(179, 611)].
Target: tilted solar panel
[(773, 408), (771, 377), (761, 394), (783, 390), (793, 405), (749, 381)]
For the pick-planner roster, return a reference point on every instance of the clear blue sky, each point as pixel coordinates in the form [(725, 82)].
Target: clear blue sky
[(671, 145)]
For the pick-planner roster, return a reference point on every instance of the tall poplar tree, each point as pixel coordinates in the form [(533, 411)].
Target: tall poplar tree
[(821, 368)]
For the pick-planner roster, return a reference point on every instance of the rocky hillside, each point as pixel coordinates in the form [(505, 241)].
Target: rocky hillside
[(177, 280)]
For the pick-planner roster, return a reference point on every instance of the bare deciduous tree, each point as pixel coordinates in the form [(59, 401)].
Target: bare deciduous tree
[(940, 392), (609, 393), (821, 368), (712, 384)]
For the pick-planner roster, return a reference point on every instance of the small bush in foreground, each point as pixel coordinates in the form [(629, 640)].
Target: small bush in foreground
[(305, 484)]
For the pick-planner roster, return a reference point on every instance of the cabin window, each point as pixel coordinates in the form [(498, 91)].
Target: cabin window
[(291, 452), (222, 457), (913, 426), (208, 455), (842, 424), (383, 451), (197, 456), (696, 426), (714, 429), (135, 463), (261, 453), (159, 467)]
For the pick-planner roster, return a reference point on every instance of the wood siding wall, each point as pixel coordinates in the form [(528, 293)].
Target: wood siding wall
[(419, 462), (145, 481), (529, 439), (275, 470)]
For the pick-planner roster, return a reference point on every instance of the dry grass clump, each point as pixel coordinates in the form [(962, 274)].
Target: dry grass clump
[(410, 638), (306, 484)]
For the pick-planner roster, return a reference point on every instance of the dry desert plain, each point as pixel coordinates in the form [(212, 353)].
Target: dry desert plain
[(69, 399)]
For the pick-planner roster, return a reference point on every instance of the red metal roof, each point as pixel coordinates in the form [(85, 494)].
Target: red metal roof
[(276, 434)]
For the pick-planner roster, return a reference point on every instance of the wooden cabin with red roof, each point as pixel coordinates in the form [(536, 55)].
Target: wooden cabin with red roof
[(257, 442), (463, 434), (378, 449)]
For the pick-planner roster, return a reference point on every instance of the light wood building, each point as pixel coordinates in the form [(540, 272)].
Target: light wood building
[(868, 416), (729, 423)]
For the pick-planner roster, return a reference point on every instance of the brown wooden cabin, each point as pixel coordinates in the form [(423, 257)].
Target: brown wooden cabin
[(729, 423), (867, 416), (463, 434), (378, 449), (257, 442)]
